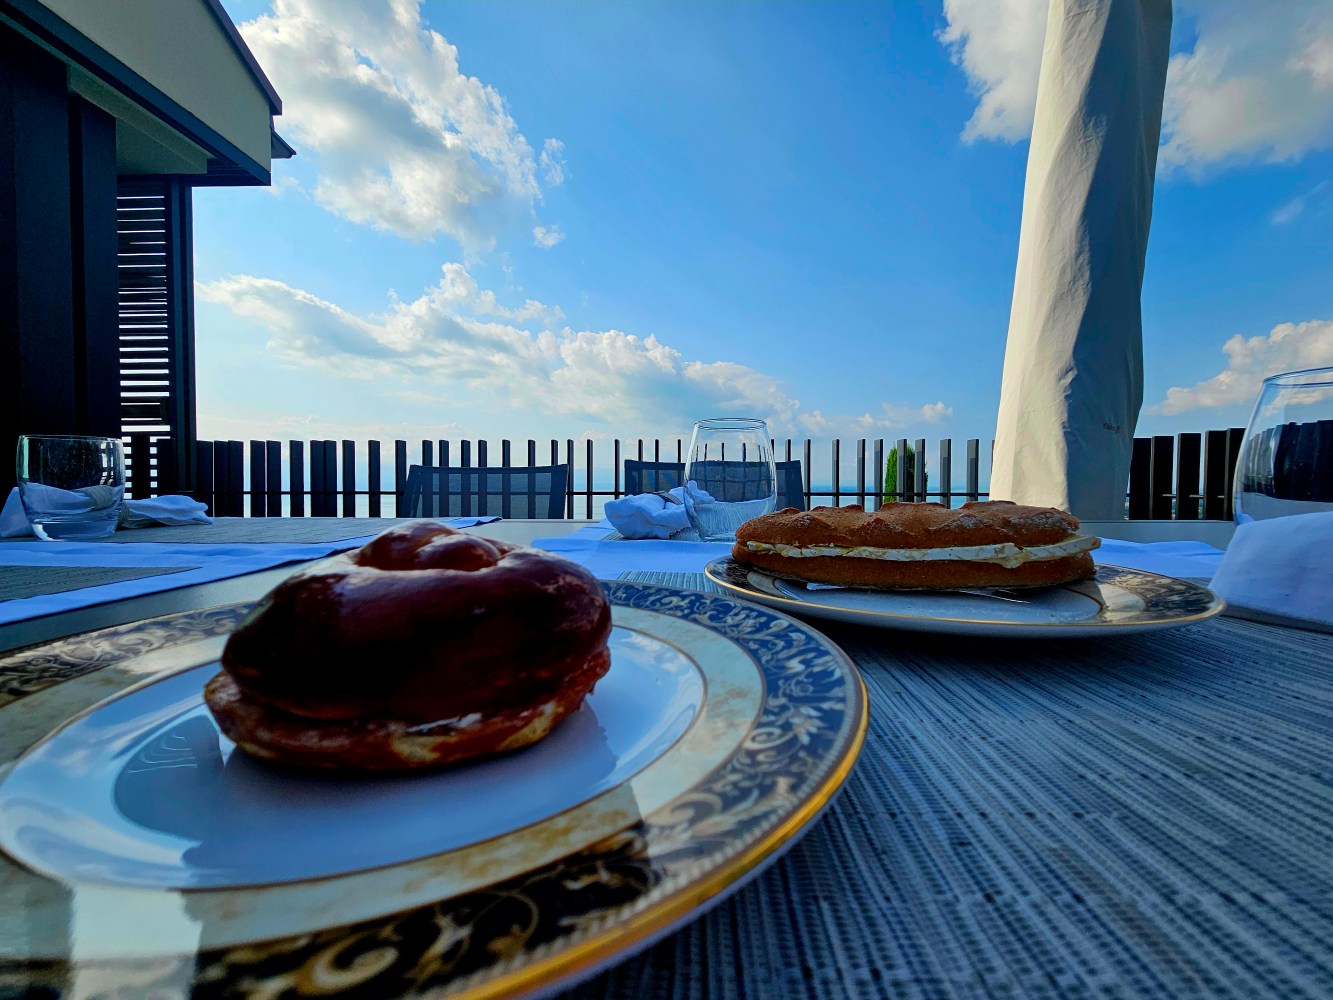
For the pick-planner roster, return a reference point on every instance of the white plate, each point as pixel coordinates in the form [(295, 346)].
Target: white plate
[(144, 791), (1119, 600)]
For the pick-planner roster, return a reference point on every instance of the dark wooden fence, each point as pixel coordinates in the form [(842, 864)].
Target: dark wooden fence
[(1185, 477)]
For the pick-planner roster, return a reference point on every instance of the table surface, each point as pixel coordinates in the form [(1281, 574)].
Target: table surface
[(1138, 816)]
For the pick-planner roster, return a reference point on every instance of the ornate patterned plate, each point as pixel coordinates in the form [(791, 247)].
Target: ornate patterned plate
[(722, 731), (1119, 600)]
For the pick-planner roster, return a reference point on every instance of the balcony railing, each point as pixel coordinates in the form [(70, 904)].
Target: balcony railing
[(1185, 477)]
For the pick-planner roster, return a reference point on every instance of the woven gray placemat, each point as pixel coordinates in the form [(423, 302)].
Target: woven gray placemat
[(683, 535), (18, 582), (1140, 816)]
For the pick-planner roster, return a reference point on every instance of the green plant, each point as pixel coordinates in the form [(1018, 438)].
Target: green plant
[(891, 477)]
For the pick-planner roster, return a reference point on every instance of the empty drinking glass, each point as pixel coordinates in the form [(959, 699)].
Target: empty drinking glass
[(73, 488), (1286, 461), (729, 476)]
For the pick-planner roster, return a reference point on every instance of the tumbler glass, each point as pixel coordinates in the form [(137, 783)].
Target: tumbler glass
[(729, 476), (73, 488), (1285, 465)]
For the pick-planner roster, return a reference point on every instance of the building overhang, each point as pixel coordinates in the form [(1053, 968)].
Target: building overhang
[(188, 97)]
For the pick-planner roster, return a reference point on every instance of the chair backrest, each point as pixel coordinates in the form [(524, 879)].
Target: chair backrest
[(434, 491), (653, 477)]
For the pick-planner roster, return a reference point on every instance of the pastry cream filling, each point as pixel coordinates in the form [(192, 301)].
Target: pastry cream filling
[(1006, 554)]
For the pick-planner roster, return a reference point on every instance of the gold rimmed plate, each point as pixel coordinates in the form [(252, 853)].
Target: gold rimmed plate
[(720, 733), (1118, 600)]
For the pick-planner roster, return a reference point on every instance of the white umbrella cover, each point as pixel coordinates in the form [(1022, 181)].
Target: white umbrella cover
[(1073, 363)]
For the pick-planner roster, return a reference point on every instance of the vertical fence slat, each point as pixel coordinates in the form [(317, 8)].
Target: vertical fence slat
[(273, 461), (373, 479), (203, 485), (349, 479), (861, 471), (945, 472), (1235, 438), (974, 470), (221, 475), (836, 454), (258, 480), (296, 477), (1140, 480), (1216, 486), (431, 486), (587, 478), (919, 472), (901, 485), (316, 478), (879, 473), (1163, 467), (328, 486), (809, 477), (318, 459), (235, 505), (615, 468), (532, 482), (400, 505), (569, 488), (1189, 455), (168, 475)]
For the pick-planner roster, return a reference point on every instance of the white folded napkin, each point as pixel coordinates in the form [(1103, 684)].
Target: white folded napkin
[(1282, 567), (648, 515), (655, 515), (174, 510)]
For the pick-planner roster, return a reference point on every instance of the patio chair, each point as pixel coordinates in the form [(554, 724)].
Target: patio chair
[(653, 477), (468, 492)]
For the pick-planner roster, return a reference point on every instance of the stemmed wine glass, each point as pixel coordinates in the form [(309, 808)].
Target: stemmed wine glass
[(1286, 461), (730, 476)]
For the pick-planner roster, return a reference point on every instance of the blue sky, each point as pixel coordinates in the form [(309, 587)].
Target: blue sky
[(520, 219)]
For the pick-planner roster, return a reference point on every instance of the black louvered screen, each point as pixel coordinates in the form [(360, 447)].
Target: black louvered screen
[(153, 229)]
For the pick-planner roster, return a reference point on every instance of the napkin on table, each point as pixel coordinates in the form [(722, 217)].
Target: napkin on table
[(648, 515), (1281, 568), (174, 510), (655, 515)]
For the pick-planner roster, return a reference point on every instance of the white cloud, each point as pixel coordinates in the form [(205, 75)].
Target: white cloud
[(998, 45), (1317, 199), (1287, 347), (401, 139), (547, 238), (282, 183), (1252, 87), (553, 162), (457, 337)]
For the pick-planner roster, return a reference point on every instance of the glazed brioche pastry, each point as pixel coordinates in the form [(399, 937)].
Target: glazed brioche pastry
[(422, 648), (920, 546)]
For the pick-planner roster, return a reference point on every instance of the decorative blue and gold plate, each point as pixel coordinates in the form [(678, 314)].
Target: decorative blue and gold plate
[(142, 852)]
